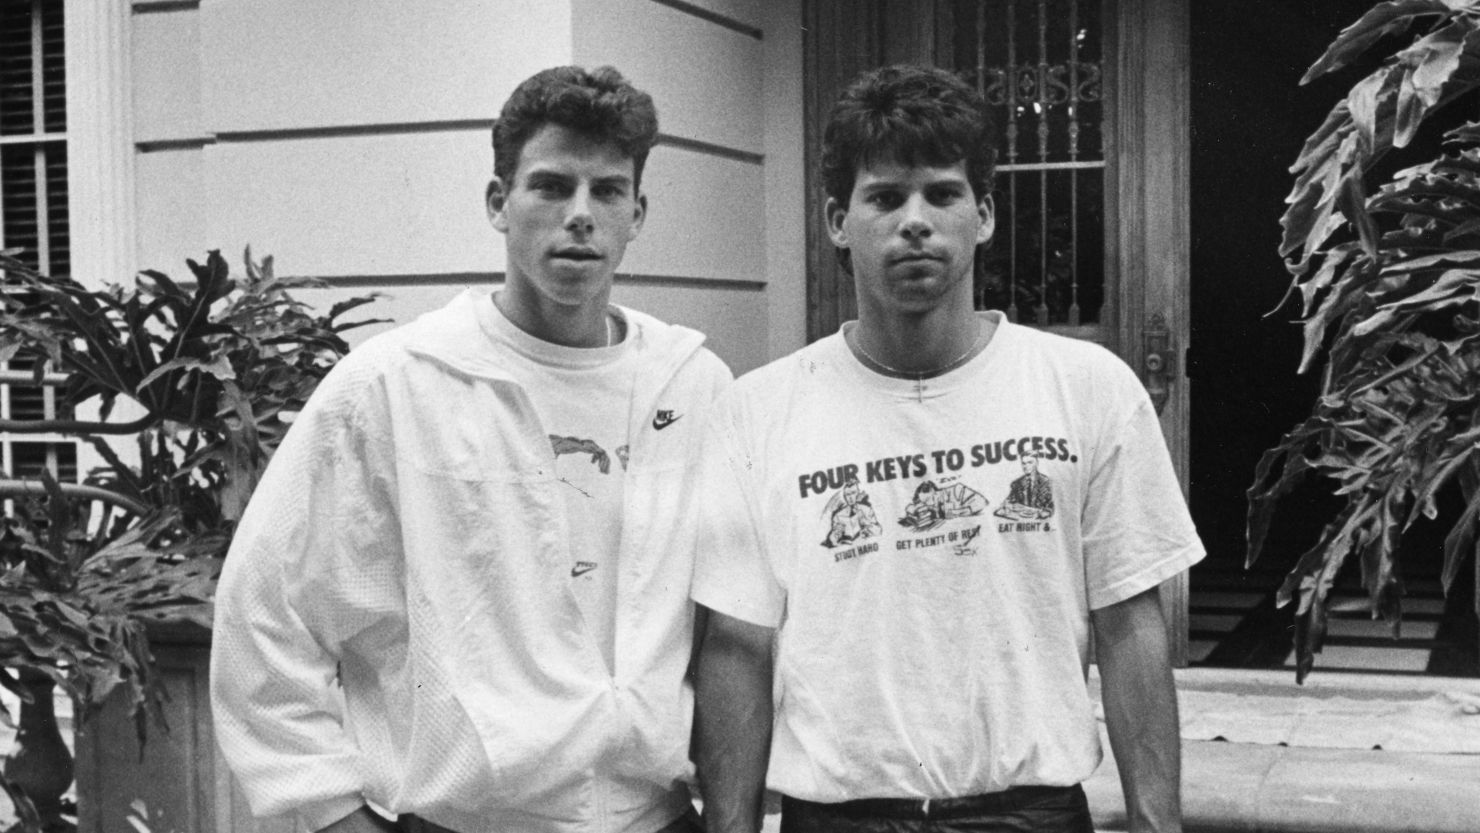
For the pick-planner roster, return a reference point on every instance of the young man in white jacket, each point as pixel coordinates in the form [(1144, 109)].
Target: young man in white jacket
[(459, 595)]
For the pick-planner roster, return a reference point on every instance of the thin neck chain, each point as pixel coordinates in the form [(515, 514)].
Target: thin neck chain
[(921, 375)]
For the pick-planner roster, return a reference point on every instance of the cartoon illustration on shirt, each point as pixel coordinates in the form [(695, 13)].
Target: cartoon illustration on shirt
[(576, 445), (1030, 497), (932, 505), (851, 515)]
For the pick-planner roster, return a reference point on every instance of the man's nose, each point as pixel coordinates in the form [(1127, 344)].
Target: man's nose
[(578, 217), (915, 219)]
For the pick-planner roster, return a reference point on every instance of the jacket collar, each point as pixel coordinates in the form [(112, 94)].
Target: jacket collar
[(451, 336)]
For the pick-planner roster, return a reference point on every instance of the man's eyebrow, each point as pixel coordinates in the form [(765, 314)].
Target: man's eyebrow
[(944, 181)]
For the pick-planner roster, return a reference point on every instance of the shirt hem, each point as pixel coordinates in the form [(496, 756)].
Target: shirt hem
[(727, 602)]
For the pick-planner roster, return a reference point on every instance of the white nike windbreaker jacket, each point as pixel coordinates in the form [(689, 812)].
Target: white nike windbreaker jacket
[(409, 539)]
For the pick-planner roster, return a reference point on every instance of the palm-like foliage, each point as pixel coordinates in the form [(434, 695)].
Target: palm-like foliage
[(1389, 283), (210, 372)]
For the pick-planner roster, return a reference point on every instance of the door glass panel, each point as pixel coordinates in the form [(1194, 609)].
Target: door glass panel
[(1040, 65)]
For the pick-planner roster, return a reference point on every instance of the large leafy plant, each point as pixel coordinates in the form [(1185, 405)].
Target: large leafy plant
[(1387, 270), (209, 375)]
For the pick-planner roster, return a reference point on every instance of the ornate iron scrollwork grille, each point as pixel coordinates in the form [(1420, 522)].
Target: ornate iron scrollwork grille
[(1040, 65)]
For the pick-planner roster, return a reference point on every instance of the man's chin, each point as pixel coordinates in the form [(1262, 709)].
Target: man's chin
[(578, 278), (918, 299), (569, 287)]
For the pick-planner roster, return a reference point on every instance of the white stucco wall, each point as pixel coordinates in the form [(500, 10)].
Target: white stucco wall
[(349, 139)]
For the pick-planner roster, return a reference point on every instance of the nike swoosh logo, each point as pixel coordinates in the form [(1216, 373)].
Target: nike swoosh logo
[(662, 421), (581, 568)]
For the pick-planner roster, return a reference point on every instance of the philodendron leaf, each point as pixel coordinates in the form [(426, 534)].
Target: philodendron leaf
[(1434, 59), (1408, 111), (1345, 294), (1310, 633), (213, 282), (1430, 261), (1384, 19), (1454, 287), (1321, 562), (1353, 204), (1431, 61), (1336, 259), (1318, 173), (1445, 473), (1468, 133), (1460, 542), (1311, 217), (219, 367), (348, 304), (1292, 466), (1368, 100), (1437, 195)]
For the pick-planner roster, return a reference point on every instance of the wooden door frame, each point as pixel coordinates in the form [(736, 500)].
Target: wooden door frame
[(1150, 152), (1147, 148)]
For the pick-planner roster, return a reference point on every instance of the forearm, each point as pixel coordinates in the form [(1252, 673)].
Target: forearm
[(1140, 701), (733, 723)]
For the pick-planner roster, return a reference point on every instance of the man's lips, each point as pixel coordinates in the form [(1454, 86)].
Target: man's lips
[(914, 257), (576, 254)]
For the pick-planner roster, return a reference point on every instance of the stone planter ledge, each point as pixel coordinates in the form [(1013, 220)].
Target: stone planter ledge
[(1302, 758)]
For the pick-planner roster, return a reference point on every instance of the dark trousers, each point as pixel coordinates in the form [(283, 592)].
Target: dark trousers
[(686, 823), (1017, 810)]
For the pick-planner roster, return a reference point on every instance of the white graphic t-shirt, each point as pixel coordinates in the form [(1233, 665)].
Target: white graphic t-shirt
[(584, 398), (930, 554)]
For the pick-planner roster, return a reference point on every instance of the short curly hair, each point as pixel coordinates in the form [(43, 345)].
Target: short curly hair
[(912, 115), (598, 103)]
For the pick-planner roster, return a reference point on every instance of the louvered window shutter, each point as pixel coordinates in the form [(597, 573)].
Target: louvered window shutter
[(33, 200)]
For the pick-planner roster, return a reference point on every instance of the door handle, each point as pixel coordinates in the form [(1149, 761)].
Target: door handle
[(1159, 363)]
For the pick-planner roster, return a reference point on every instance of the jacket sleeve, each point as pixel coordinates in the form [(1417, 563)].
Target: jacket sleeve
[(312, 563)]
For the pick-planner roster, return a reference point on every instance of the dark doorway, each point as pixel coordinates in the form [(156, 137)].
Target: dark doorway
[(1250, 118)]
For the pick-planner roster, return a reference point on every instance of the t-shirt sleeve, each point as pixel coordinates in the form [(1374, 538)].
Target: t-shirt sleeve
[(1137, 530), (732, 573)]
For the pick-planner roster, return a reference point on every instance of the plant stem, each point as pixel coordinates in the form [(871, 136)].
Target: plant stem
[(32, 487), (74, 426)]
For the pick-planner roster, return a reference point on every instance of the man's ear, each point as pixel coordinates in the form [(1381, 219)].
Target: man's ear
[(495, 199), (835, 212), (987, 212), (639, 215)]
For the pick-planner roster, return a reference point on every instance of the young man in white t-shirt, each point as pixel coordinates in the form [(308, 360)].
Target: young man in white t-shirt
[(460, 594), (929, 669)]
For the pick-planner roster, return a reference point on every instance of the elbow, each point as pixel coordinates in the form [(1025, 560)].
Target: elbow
[(733, 644)]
